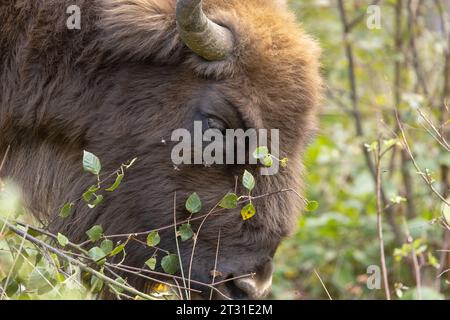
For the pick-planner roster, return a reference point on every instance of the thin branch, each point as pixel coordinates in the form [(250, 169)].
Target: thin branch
[(379, 206), (438, 136), (82, 266), (416, 165), (4, 158), (215, 264), (361, 17), (416, 265), (195, 242), (188, 296), (412, 21), (323, 284), (443, 272)]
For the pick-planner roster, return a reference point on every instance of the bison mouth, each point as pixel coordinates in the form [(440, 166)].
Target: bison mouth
[(230, 289), (255, 286)]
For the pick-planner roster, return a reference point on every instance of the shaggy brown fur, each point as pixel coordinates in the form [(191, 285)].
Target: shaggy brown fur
[(124, 82)]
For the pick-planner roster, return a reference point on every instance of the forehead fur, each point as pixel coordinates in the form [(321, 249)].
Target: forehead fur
[(267, 36)]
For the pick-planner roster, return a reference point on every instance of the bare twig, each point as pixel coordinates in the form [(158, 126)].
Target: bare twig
[(412, 21), (416, 265), (195, 242), (378, 158), (215, 264), (323, 284), (4, 158), (83, 266), (398, 65), (423, 175), (434, 132), (188, 296), (361, 17)]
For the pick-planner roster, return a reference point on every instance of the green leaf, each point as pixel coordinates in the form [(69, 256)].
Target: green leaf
[(390, 143), (432, 260), (312, 206), (261, 152), (185, 232), (66, 210), (34, 233), (91, 163), (60, 277), (62, 239), (398, 200), (96, 284), (116, 183), (151, 263), (421, 249), (97, 201), (107, 246), (87, 196), (372, 147), (95, 233), (229, 201), (248, 211), (267, 161), (55, 259), (97, 255), (40, 279), (12, 287), (24, 296), (248, 181), (118, 250), (117, 288), (170, 264), (153, 239), (193, 203)]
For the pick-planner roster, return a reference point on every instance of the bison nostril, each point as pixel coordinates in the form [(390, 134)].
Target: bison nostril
[(248, 288), (236, 292), (256, 286)]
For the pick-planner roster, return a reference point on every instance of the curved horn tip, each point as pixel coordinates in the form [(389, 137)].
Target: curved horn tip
[(206, 38)]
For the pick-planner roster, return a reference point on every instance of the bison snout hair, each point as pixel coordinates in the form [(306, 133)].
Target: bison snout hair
[(256, 286)]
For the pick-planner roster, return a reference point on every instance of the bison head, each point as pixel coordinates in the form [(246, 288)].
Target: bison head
[(136, 71)]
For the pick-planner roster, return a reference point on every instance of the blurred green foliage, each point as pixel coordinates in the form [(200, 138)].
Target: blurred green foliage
[(340, 240)]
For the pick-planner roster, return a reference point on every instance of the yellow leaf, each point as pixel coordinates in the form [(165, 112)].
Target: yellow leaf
[(248, 211), (160, 288)]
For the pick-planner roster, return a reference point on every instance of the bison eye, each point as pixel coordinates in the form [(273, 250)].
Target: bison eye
[(215, 123)]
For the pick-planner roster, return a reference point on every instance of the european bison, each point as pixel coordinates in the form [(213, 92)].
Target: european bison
[(121, 82)]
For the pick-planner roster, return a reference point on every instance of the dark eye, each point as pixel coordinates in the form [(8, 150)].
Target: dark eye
[(215, 123)]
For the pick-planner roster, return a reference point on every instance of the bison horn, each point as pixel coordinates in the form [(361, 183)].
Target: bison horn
[(206, 38)]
